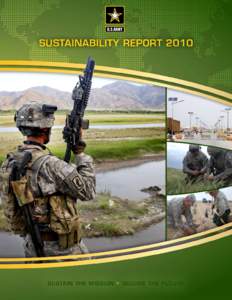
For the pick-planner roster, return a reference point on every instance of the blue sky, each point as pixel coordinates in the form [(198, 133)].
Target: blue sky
[(207, 110)]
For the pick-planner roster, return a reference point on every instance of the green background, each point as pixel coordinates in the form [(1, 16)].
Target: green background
[(23, 22), (202, 272), (199, 272)]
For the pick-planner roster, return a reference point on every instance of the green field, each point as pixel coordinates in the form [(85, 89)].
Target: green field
[(176, 184), (101, 144), (104, 145), (101, 150), (7, 119)]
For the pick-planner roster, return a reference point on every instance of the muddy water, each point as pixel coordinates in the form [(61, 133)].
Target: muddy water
[(119, 183), (126, 183), (153, 234), (12, 245)]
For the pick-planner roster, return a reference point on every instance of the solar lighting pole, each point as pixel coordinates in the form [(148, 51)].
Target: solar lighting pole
[(190, 119), (227, 110), (216, 125), (197, 121), (222, 124), (173, 100), (219, 124)]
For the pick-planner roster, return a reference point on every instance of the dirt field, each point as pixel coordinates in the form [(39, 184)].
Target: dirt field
[(198, 211)]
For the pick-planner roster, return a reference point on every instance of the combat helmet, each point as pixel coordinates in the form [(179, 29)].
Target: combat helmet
[(194, 148), (33, 116), (214, 151), (192, 198)]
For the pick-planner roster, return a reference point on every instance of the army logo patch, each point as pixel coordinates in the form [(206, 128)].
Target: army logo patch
[(114, 16)]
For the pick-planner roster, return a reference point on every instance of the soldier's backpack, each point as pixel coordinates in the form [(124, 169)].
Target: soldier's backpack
[(12, 210), (62, 216)]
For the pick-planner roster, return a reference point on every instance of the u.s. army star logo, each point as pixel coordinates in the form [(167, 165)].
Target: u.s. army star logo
[(114, 16)]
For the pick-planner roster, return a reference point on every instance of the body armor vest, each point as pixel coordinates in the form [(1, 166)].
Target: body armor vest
[(55, 213)]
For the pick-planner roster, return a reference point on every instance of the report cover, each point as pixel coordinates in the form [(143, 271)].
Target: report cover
[(115, 153)]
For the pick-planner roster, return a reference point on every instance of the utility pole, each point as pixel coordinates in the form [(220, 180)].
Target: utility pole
[(197, 122), (190, 119), (173, 100), (222, 124), (228, 109)]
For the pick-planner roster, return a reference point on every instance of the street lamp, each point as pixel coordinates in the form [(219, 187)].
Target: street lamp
[(190, 119), (216, 126), (222, 125), (219, 124), (227, 110), (173, 100)]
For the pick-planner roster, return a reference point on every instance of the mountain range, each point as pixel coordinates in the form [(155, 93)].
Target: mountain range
[(119, 95)]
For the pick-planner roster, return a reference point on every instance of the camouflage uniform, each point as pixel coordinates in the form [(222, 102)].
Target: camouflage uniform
[(51, 248), (176, 210), (222, 209), (220, 164), (54, 187), (195, 162)]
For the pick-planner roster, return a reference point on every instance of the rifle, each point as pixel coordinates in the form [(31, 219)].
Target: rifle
[(18, 171), (74, 120)]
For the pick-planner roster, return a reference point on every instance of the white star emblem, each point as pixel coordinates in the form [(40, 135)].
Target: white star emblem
[(114, 16)]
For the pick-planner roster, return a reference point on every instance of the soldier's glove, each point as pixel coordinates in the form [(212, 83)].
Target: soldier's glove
[(202, 171), (189, 230), (77, 149), (210, 177), (195, 173), (67, 133)]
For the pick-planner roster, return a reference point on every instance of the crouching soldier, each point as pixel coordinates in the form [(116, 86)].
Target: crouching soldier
[(49, 188), (220, 165), (221, 206), (195, 164), (178, 208)]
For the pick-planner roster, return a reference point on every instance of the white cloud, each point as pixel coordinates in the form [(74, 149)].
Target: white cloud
[(18, 81)]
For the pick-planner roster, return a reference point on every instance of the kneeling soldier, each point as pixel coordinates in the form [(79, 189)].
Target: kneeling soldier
[(195, 164), (178, 207), (221, 205), (220, 165)]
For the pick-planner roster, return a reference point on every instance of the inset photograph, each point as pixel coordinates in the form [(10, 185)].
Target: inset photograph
[(195, 168), (198, 120), (68, 190), (192, 213)]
